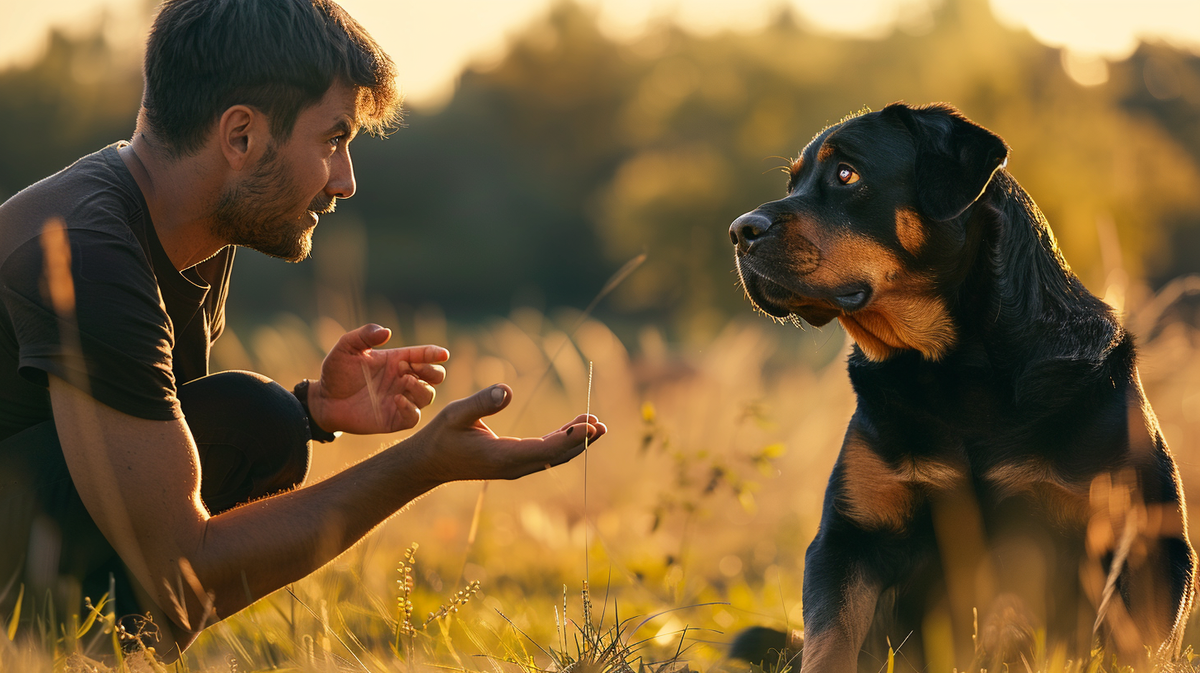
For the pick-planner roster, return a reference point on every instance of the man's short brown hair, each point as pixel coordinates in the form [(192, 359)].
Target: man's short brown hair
[(277, 56)]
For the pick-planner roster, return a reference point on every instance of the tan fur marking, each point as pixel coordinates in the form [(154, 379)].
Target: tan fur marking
[(875, 349), (797, 164), (873, 494), (935, 475), (910, 230), (1065, 501), (881, 496), (904, 312), (825, 152), (1013, 478)]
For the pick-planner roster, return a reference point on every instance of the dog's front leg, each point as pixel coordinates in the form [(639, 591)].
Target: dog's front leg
[(867, 503), (840, 594), (1141, 518)]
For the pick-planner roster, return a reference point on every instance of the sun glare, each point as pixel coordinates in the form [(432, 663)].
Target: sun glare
[(433, 42)]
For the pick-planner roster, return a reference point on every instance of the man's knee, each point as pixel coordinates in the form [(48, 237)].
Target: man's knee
[(252, 434)]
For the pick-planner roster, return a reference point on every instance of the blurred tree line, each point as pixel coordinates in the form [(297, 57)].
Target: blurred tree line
[(574, 153)]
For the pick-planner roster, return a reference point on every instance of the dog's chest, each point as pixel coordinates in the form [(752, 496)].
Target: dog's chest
[(926, 435), (886, 494)]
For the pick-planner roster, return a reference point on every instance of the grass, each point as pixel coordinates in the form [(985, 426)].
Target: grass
[(700, 504)]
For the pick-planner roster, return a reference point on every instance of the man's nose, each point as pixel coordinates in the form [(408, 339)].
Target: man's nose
[(341, 177), (747, 229)]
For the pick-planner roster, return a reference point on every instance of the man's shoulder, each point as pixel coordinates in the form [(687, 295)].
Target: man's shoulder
[(93, 197)]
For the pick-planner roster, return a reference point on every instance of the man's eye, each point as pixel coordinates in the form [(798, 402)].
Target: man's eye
[(847, 175), (336, 140)]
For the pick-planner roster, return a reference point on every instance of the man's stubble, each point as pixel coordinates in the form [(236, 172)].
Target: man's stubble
[(259, 212)]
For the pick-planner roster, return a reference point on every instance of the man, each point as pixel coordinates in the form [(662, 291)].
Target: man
[(126, 470)]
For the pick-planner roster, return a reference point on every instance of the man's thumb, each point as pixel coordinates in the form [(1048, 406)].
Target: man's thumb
[(483, 403), (366, 337)]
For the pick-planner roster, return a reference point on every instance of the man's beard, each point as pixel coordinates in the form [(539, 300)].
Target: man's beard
[(257, 213)]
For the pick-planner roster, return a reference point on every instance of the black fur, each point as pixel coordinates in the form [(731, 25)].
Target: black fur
[(759, 645), (1033, 406)]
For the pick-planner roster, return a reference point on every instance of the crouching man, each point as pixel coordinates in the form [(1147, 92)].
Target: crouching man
[(125, 468)]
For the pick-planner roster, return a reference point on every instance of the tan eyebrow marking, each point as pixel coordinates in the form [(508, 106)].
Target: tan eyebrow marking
[(828, 148), (825, 152)]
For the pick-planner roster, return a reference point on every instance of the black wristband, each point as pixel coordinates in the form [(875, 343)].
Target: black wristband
[(315, 431)]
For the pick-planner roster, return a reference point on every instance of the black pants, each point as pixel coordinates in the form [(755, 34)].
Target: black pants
[(253, 439)]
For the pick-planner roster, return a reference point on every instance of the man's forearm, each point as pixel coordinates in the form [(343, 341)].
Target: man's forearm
[(257, 548)]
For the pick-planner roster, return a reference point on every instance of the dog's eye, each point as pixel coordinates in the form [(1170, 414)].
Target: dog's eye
[(847, 175)]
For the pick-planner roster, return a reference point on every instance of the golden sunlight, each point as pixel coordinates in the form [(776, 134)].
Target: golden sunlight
[(433, 42)]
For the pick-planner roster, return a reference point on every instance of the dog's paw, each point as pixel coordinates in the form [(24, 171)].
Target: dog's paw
[(766, 647)]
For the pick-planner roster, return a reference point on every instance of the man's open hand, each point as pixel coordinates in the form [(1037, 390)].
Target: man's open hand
[(365, 391), (458, 445)]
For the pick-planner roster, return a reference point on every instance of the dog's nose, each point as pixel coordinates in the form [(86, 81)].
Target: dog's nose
[(747, 229)]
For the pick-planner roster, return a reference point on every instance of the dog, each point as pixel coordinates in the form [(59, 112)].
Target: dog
[(1003, 478)]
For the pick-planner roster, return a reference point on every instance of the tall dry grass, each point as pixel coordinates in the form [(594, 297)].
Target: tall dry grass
[(707, 489), (700, 501)]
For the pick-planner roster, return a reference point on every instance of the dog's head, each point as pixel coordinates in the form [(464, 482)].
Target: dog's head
[(872, 228)]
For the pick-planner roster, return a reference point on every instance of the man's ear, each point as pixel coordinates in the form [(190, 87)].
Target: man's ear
[(241, 135), (955, 157)]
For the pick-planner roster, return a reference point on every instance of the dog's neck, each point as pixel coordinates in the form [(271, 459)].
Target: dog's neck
[(1019, 296), (1031, 279)]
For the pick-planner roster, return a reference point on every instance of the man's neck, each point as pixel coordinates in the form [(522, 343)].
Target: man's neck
[(180, 194)]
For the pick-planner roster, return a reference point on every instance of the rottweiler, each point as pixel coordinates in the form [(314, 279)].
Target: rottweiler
[(1003, 490)]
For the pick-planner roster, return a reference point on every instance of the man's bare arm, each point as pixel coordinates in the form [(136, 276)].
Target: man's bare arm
[(140, 481)]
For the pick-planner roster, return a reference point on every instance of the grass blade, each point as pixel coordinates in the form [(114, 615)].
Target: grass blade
[(16, 615)]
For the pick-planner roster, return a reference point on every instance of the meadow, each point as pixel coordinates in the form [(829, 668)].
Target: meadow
[(687, 523)]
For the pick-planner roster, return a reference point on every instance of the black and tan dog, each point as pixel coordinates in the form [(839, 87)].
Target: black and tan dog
[(1003, 477)]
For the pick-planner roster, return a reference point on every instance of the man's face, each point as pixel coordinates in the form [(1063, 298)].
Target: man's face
[(274, 210)]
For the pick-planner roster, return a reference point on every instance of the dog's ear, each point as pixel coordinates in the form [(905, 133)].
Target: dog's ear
[(955, 157)]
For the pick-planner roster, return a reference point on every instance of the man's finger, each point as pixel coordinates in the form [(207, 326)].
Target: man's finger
[(583, 418), (483, 403), (364, 338), (553, 449), (419, 392), (428, 373), (407, 414), (576, 432), (420, 354)]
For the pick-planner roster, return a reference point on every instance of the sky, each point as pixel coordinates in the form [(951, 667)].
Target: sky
[(431, 42)]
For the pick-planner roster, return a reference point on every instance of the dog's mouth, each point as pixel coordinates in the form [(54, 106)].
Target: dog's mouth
[(781, 298)]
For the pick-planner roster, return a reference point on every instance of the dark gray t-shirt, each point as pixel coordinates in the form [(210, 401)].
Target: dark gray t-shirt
[(139, 328)]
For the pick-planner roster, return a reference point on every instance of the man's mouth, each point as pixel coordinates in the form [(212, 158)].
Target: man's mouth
[(319, 206), (322, 205)]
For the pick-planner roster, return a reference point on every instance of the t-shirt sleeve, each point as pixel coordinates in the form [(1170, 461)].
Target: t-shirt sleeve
[(115, 344)]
